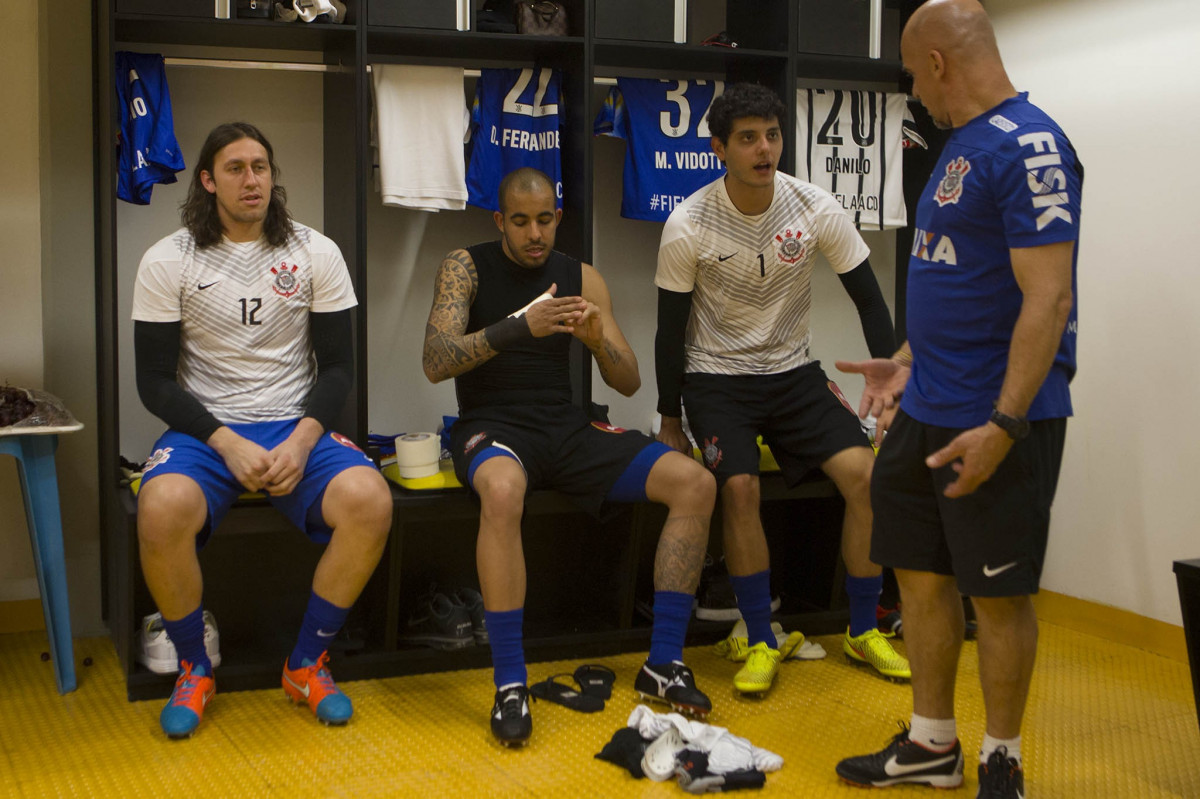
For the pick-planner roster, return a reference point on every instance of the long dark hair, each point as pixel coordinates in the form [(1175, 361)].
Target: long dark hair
[(199, 210)]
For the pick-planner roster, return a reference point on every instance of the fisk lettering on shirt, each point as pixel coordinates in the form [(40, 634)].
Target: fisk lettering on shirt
[(1046, 178), (925, 248), (524, 140)]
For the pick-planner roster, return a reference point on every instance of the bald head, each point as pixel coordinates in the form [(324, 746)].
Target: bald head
[(949, 48), (526, 180)]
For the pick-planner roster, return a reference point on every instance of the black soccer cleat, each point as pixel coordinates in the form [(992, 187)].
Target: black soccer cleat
[(673, 684), (904, 760), (1001, 777), (511, 723)]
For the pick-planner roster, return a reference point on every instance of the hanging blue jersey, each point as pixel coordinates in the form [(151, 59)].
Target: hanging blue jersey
[(1009, 178), (148, 152), (669, 154), (515, 124)]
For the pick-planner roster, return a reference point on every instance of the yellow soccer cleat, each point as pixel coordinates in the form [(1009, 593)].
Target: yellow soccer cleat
[(757, 676), (874, 649)]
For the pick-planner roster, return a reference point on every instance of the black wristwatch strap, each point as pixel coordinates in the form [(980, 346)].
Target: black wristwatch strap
[(1016, 427)]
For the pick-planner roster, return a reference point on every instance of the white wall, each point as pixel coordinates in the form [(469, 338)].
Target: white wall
[(20, 274), (1123, 79)]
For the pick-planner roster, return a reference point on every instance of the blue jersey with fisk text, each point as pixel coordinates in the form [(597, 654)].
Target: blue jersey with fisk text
[(148, 151), (515, 120), (1007, 179), (669, 154)]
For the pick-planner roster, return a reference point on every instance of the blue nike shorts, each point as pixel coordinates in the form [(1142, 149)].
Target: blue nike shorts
[(179, 453)]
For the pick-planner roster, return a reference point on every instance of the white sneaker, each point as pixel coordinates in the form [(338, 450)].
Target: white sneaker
[(156, 650)]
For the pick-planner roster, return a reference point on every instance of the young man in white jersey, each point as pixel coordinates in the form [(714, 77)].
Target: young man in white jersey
[(243, 347), (733, 341)]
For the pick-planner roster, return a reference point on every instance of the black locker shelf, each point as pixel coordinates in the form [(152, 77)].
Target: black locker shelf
[(767, 31)]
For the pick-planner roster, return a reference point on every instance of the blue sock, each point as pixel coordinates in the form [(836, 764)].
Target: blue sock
[(322, 621), (753, 594), (188, 636), (508, 651), (864, 597), (672, 609)]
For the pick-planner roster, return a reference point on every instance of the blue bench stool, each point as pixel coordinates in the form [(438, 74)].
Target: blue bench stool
[(34, 447)]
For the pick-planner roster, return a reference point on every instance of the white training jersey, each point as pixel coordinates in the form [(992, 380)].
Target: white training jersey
[(749, 275), (850, 144), (245, 351)]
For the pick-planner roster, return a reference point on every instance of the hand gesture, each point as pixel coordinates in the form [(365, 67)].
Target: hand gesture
[(555, 315), (590, 327), (287, 468), (885, 381), (671, 433), (247, 461), (974, 454)]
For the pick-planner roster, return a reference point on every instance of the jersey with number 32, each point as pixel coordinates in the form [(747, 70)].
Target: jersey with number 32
[(244, 346), (515, 117), (669, 153)]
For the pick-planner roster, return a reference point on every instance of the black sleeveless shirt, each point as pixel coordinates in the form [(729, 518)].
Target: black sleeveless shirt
[(536, 371)]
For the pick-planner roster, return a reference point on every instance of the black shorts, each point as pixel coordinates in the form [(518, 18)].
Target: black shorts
[(559, 448), (993, 541), (801, 415)]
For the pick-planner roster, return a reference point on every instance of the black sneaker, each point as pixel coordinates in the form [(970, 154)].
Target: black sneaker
[(673, 684), (440, 623), (1001, 777), (471, 599), (715, 599), (904, 760), (511, 723)]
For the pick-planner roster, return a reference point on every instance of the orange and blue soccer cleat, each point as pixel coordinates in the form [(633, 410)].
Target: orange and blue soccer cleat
[(312, 683), (185, 708)]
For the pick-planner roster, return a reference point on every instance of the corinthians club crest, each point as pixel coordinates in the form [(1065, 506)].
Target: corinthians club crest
[(286, 283), (789, 247), (951, 187)]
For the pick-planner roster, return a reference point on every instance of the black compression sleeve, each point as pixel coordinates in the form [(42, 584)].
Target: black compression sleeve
[(333, 345), (508, 331), (674, 308), (873, 312), (156, 355)]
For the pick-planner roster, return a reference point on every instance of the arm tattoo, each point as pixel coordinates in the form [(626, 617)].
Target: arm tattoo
[(449, 351), (614, 358)]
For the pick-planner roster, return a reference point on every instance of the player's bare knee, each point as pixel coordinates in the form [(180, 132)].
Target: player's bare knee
[(502, 498), (167, 510), (693, 491), (741, 493)]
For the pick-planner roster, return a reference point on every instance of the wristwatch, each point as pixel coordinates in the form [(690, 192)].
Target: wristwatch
[(1016, 427)]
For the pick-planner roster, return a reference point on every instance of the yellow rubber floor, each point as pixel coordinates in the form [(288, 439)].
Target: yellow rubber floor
[(1104, 720)]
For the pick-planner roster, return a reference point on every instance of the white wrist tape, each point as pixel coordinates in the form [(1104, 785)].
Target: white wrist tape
[(545, 295)]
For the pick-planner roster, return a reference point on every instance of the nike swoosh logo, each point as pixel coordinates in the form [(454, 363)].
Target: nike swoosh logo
[(723, 258), (203, 286), (989, 572), (893, 768), (324, 634), (303, 689)]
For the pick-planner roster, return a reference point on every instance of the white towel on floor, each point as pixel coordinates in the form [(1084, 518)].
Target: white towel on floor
[(726, 752), (421, 121)]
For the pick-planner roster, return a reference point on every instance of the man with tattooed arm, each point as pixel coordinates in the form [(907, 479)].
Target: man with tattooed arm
[(504, 313)]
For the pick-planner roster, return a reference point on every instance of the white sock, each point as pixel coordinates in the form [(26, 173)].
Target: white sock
[(991, 744), (938, 735)]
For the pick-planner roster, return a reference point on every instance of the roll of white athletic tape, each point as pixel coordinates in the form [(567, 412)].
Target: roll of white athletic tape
[(417, 454)]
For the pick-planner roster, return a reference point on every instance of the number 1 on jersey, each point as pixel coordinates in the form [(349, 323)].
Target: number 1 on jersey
[(762, 265)]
